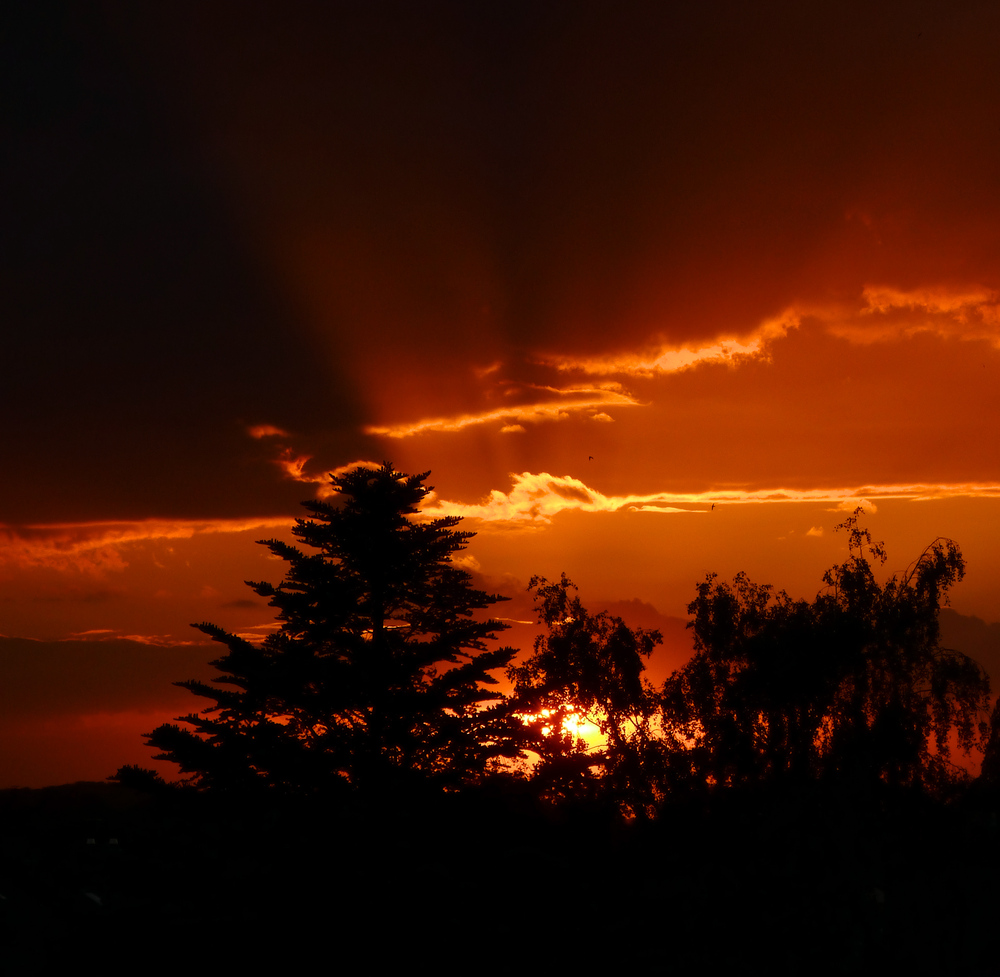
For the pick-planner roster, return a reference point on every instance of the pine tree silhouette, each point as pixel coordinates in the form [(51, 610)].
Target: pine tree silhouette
[(377, 676)]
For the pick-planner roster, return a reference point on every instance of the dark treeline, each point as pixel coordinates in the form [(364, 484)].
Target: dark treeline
[(382, 677), (788, 801)]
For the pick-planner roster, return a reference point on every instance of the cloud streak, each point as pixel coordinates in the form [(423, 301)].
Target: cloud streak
[(970, 312), (536, 498), (662, 358), (882, 313), (95, 548), (563, 402), (292, 462)]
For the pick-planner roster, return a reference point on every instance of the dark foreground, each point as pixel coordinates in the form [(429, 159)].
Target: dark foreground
[(800, 883)]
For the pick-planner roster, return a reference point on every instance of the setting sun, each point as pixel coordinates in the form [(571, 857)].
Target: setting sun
[(573, 724)]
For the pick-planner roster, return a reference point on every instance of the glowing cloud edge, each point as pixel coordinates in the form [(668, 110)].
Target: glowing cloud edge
[(536, 497)]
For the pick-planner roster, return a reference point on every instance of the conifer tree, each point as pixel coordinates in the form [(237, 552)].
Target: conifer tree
[(377, 676)]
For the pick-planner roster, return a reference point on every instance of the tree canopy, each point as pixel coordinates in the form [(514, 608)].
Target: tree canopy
[(764, 754), (586, 667), (854, 685), (380, 672)]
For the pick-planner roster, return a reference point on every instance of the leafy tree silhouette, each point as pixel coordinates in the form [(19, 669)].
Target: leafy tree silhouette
[(141, 779), (853, 686), (376, 678), (586, 667)]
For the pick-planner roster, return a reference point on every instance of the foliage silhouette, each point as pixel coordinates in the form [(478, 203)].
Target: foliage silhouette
[(379, 674), (141, 779), (376, 676), (586, 667), (853, 686), (989, 776)]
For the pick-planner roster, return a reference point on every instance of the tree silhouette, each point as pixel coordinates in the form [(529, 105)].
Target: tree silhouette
[(376, 677), (853, 686), (586, 667)]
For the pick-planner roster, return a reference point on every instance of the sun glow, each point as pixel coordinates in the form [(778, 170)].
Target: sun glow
[(574, 723)]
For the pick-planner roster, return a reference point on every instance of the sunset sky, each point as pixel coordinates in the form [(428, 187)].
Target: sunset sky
[(596, 266)]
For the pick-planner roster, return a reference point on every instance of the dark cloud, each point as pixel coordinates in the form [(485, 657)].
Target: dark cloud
[(49, 679), (510, 176), (570, 492), (245, 604), (74, 710)]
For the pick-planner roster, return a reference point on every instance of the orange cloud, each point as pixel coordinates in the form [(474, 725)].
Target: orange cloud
[(294, 467), (95, 549), (673, 359), (969, 312), (485, 371), (563, 402), (953, 301), (883, 313), (536, 498), (292, 464), (154, 640), (266, 431)]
